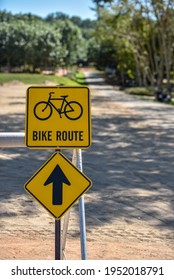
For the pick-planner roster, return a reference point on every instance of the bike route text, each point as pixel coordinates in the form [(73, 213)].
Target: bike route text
[(47, 135)]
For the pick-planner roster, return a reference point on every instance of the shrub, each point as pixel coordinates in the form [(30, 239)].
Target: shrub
[(139, 91)]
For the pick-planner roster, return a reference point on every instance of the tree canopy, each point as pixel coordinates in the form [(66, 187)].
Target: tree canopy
[(139, 37), (30, 42)]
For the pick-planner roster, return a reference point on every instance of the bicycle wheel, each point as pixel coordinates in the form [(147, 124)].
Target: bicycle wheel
[(73, 110), (42, 110)]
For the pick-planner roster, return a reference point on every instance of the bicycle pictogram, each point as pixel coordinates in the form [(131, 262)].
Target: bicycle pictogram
[(71, 109)]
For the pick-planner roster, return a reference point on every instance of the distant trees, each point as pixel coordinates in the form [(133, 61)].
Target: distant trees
[(23, 44), (29, 42), (133, 39)]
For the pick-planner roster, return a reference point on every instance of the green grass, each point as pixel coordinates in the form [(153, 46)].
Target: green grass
[(80, 78), (33, 79), (77, 77), (142, 91)]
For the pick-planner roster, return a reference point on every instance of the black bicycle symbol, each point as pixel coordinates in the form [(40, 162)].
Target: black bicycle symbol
[(71, 109)]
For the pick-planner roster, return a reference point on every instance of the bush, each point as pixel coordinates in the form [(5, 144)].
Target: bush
[(140, 91)]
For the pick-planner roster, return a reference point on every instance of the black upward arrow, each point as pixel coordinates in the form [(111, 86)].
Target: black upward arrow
[(57, 177)]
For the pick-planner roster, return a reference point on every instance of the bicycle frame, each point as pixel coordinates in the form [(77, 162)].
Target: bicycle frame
[(59, 110), (71, 109)]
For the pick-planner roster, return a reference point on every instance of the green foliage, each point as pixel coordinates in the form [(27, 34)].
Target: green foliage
[(56, 16), (137, 38), (28, 41), (77, 77), (142, 91), (73, 42), (35, 44)]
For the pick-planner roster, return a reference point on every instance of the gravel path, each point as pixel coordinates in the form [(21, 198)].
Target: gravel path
[(133, 143)]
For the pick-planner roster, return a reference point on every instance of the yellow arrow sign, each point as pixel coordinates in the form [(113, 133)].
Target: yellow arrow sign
[(57, 185), (58, 117)]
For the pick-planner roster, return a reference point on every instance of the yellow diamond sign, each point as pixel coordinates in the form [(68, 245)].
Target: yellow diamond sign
[(58, 117), (57, 185)]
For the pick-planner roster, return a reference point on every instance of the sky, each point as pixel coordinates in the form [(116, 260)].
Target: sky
[(81, 8)]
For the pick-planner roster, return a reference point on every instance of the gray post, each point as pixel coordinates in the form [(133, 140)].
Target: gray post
[(77, 155), (58, 243), (58, 251), (64, 233)]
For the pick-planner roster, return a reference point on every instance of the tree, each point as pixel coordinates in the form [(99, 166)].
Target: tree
[(56, 41), (143, 28), (13, 43), (46, 48), (56, 16), (163, 13), (34, 44), (73, 42)]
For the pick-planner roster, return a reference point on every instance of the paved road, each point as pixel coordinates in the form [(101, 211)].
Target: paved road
[(133, 165)]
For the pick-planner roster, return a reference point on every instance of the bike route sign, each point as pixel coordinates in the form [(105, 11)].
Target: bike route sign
[(57, 185), (58, 117)]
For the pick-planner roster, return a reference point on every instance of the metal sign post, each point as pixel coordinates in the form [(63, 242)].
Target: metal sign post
[(77, 160), (58, 250), (64, 233)]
